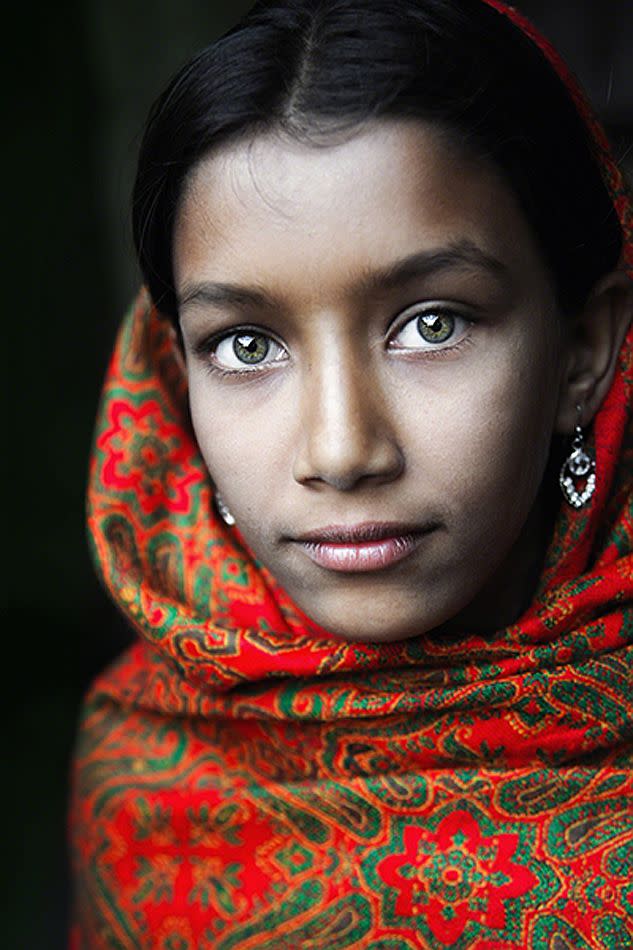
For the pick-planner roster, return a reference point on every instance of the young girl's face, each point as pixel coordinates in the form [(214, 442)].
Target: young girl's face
[(375, 359)]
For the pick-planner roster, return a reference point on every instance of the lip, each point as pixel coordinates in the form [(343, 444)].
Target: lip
[(360, 548)]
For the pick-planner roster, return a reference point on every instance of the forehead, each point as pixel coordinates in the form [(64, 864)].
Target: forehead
[(276, 210)]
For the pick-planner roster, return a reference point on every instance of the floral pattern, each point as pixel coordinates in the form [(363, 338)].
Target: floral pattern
[(244, 780), (457, 877)]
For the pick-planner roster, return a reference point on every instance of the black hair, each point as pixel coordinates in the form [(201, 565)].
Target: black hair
[(312, 67)]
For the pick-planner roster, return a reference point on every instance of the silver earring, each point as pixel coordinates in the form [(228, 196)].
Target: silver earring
[(579, 464), (223, 511)]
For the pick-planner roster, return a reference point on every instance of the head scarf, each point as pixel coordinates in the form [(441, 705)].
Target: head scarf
[(242, 779)]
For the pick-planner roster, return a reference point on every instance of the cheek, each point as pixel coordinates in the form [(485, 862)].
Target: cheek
[(485, 439), (242, 443)]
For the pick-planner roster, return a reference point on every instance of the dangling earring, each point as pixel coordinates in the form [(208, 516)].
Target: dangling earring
[(223, 511), (578, 464)]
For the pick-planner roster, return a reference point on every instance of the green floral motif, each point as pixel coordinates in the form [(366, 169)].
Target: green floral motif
[(175, 942), (235, 571), (456, 874), (225, 822), (215, 883), (295, 857), (151, 820), (535, 711), (156, 878)]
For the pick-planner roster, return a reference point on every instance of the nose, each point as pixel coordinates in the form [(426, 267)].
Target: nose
[(346, 431)]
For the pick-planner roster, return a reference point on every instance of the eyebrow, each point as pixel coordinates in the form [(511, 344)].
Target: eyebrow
[(462, 254), (233, 295), (457, 255)]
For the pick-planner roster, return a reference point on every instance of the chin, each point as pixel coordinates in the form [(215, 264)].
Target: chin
[(373, 628)]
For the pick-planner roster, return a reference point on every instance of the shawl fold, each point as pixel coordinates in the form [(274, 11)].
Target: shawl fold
[(243, 779)]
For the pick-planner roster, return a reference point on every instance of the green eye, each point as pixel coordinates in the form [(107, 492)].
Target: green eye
[(436, 327), (245, 350), (251, 348)]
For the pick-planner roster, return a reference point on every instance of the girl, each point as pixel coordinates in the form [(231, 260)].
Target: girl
[(361, 482)]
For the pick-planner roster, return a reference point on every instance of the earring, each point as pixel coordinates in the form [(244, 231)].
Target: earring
[(223, 511), (578, 464)]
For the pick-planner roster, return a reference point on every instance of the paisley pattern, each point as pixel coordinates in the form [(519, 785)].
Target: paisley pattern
[(243, 780)]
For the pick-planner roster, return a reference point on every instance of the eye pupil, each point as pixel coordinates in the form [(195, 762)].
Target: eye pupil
[(250, 348), (436, 327)]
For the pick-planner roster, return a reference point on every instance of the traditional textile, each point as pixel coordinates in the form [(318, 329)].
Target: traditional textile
[(243, 780)]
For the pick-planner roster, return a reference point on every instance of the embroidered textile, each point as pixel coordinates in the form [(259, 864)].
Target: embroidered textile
[(243, 780)]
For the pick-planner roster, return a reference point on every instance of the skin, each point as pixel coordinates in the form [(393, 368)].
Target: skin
[(353, 417)]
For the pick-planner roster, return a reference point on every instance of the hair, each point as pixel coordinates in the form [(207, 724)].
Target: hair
[(312, 68)]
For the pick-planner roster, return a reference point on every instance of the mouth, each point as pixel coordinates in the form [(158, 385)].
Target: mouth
[(372, 546)]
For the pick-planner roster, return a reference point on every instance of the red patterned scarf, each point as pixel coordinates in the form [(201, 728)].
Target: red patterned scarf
[(243, 780)]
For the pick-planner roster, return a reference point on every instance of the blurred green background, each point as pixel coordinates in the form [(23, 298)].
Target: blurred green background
[(83, 75)]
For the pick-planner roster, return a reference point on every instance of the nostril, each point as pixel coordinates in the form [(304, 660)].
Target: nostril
[(344, 463)]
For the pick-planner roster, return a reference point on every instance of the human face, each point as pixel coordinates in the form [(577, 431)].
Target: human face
[(374, 358)]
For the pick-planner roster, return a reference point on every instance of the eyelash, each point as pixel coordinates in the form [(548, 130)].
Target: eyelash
[(206, 348), (414, 314)]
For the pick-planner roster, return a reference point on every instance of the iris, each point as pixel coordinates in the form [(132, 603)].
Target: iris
[(436, 327), (250, 348)]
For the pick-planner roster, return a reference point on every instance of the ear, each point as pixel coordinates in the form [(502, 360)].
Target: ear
[(593, 343)]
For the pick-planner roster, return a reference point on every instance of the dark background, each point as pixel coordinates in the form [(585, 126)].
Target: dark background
[(83, 74)]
